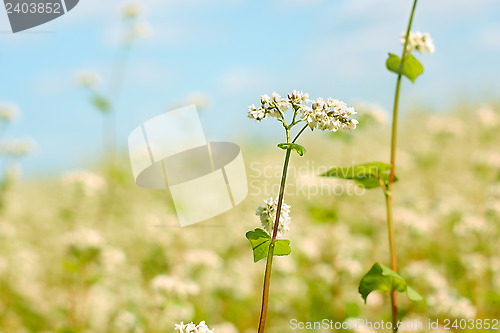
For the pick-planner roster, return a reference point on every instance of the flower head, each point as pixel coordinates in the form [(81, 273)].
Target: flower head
[(419, 41), (192, 328), (267, 214), (330, 115)]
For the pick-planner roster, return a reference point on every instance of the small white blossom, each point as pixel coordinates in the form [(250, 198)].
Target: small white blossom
[(419, 41), (193, 328), (267, 214), (88, 79)]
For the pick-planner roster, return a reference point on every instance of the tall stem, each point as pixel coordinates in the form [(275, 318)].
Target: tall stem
[(269, 263), (388, 195)]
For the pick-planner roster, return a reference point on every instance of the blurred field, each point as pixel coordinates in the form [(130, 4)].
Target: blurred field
[(92, 252)]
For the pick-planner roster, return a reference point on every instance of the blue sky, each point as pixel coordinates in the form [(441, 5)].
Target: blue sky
[(234, 51)]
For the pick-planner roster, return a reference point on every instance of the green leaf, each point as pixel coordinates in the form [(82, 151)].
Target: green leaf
[(101, 103), (383, 279), (366, 175), (412, 68), (261, 241), (293, 146)]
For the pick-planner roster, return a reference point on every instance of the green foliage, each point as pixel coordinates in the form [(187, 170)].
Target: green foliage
[(101, 103), (382, 278), (261, 241), (293, 146), (323, 215), (369, 175), (155, 263), (412, 68)]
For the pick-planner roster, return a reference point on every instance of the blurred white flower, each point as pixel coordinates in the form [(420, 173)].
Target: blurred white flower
[(226, 327), (419, 41), (487, 116), (132, 10), (88, 78), (90, 183), (83, 240), (198, 98), (112, 258), (472, 224), (125, 321), (141, 30), (193, 328), (17, 148), (8, 112), (448, 304), (203, 257), (166, 285), (267, 214)]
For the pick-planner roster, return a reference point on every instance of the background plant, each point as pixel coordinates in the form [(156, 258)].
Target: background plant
[(378, 174)]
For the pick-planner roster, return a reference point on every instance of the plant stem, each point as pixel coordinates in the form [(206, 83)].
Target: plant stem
[(388, 194), (269, 263), (300, 132)]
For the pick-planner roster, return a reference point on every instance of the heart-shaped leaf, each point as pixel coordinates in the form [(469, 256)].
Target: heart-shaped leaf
[(260, 241), (412, 68), (383, 279), (368, 175), (293, 146)]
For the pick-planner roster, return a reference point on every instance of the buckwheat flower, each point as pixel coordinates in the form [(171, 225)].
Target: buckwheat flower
[(265, 99), (330, 115), (419, 41), (267, 215), (257, 114), (88, 79), (8, 112), (192, 328)]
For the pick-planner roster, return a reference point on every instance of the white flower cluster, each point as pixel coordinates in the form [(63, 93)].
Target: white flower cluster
[(193, 328), (267, 214), (419, 41), (329, 115), (270, 106)]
